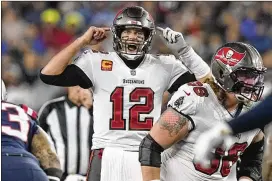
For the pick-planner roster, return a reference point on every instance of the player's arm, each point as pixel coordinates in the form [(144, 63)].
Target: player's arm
[(180, 74), (170, 128), (185, 53), (61, 60), (195, 63), (41, 149), (251, 160), (59, 72)]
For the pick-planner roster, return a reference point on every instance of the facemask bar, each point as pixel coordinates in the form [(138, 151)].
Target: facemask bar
[(252, 93), (248, 83), (121, 46), (125, 43)]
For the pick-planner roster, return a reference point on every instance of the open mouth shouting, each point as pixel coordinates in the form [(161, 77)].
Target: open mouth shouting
[(132, 47)]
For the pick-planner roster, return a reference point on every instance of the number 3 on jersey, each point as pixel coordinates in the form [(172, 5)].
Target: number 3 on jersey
[(15, 116), (117, 122)]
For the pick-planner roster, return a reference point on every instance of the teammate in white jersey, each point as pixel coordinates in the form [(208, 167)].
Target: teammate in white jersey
[(128, 86), (238, 72)]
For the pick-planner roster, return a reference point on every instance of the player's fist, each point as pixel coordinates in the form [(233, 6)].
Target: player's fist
[(174, 40), (94, 35)]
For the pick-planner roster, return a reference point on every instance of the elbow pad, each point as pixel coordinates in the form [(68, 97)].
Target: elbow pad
[(251, 162), (150, 152)]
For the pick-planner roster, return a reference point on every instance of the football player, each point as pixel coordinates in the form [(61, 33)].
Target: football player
[(237, 82), (26, 152), (128, 86)]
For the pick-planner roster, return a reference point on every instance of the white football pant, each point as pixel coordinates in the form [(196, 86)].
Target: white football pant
[(120, 165)]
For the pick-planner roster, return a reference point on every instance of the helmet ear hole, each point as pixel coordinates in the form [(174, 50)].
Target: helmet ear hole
[(221, 74), (119, 30), (146, 33)]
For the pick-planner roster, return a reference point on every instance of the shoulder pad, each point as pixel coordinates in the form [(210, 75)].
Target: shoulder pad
[(183, 100)]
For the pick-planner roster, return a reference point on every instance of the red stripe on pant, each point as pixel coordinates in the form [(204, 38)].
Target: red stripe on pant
[(90, 160)]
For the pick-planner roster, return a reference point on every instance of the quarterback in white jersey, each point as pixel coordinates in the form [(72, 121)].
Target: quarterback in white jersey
[(127, 100), (196, 107), (128, 86)]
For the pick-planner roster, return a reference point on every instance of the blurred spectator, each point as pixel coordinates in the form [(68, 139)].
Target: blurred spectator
[(32, 14), (33, 40), (73, 23), (54, 36), (12, 27)]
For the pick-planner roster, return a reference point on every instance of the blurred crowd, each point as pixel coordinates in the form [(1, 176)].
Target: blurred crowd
[(32, 32)]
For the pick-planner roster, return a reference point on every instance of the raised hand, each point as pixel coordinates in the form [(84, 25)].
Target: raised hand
[(95, 35), (173, 40)]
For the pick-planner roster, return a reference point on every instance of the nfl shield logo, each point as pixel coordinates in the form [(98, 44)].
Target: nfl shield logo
[(133, 72)]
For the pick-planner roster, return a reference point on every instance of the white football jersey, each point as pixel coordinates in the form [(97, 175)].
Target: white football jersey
[(126, 102), (200, 103)]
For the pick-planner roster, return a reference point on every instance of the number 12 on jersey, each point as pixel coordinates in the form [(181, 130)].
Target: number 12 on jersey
[(117, 122)]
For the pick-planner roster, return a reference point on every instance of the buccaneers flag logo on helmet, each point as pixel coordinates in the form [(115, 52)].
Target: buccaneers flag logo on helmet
[(229, 56)]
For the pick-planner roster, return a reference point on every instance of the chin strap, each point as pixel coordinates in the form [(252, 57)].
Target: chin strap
[(243, 100)]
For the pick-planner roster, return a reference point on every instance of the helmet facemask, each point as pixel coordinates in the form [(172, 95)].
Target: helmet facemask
[(238, 68), (132, 49), (248, 84)]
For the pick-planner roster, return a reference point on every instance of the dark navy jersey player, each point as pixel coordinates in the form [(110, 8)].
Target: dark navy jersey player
[(17, 133), (26, 152), (17, 129)]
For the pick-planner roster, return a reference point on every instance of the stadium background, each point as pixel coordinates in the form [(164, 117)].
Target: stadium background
[(32, 32)]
